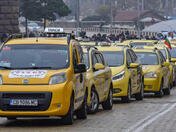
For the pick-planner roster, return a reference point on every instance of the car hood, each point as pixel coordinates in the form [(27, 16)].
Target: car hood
[(117, 70), (150, 68)]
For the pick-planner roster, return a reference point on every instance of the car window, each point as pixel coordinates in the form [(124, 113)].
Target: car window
[(129, 61), (133, 56), (81, 54), (75, 57), (161, 57), (94, 59), (99, 58)]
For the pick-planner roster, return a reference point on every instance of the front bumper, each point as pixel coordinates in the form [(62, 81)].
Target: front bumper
[(54, 101), (120, 88), (151, 85)]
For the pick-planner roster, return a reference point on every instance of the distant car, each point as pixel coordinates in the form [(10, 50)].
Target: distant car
[(156, 71), (33, 27), (127, 73)]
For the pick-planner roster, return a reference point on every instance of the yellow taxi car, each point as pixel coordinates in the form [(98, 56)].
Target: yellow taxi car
[(126, 72), (167, 55), (99, 82), (156, 71), (42, 77), (134, 43)]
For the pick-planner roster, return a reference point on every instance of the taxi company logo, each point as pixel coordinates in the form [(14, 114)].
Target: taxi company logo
[(25, 81)]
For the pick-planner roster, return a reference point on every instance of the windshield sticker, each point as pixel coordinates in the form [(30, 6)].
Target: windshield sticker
[(27, 74)]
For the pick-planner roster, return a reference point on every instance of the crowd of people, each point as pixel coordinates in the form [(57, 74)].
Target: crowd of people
[(120, 37)]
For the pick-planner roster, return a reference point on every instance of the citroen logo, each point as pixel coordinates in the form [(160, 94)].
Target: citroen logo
[(25, 81)]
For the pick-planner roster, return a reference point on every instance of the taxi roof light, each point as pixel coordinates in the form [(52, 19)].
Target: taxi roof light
[(105, 44)]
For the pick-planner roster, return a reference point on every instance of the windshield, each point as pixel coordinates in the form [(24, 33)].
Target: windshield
[(86, 58), (34, 56), (114, 58), (147, 58), (173, 52), (164, 53)]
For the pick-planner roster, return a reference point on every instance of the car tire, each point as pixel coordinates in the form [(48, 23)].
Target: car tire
[(140, 95), (108, 104), (160, 93), (69, 118), (94, 102), (82, 112), (127, 99), (167, 91)]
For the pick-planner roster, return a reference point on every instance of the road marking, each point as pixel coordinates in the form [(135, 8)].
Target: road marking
[(139, 126), (145, 119), (155, 118)]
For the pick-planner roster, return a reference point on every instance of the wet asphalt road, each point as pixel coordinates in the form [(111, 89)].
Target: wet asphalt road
[(150, 115)]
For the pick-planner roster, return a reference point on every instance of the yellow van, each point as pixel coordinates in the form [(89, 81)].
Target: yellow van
[(42, 77)]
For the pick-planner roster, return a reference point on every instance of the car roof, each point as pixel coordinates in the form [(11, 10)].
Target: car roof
[(62, 41), (111, 48), (145, 50)]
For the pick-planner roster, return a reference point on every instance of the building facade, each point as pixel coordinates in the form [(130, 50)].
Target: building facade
[(9, 13)]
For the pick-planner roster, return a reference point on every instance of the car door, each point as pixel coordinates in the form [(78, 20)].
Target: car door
[(138, 70), (98, 75), (132, 72), (107, 75), (166, 71), (77, 80)]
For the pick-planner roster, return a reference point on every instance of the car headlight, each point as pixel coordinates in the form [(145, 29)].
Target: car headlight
[(0, 80), (119, 76), (151, 75), (58, 78)]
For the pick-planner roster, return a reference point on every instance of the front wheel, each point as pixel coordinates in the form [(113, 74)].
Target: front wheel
[(69, 118), (140, 95), (108, 104), (167, 91), (82, 112), (160, 93), (127, 99), (94, 102)]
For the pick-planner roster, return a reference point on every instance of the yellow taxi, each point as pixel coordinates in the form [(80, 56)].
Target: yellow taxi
[(167, 55), (99, 82), (156, 71), (42, 77), (126, 72), (134, 43)]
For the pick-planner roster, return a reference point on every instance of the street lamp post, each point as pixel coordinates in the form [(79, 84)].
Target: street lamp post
[(111, 16)]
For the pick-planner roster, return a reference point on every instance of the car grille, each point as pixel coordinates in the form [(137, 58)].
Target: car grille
[(44, 100)]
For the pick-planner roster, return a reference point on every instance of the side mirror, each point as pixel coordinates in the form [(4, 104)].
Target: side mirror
[(133, 65), (80, 68), (173, 60), (166, 64), (99, 66)]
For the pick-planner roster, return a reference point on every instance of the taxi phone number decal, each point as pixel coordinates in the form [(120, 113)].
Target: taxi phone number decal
[(27, 73)]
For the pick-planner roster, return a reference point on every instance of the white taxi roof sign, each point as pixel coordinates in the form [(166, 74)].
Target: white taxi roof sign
[(54, 30)]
